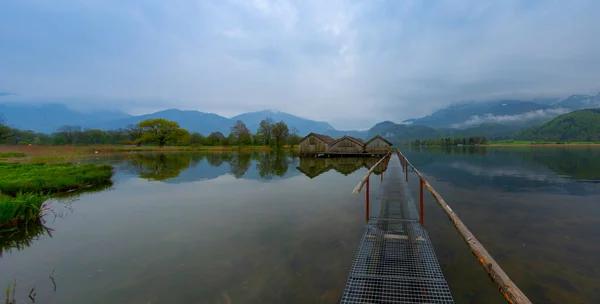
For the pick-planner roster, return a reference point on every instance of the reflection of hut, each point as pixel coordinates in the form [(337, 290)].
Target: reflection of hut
[(377, 144), (313, 167), (347, 165), (347, 144), (381, 167), (315, 143)]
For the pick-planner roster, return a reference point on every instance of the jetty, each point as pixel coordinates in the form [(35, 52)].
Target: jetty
[(395, 261)]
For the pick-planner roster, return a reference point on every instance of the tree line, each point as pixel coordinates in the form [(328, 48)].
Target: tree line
[(458, 141), (159, 132)]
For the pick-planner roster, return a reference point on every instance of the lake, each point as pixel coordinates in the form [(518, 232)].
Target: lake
[(273, 228)]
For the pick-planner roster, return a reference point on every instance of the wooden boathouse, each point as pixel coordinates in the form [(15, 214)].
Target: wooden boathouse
[(347, 145), (319, 145), (314, 143), (377, 144)]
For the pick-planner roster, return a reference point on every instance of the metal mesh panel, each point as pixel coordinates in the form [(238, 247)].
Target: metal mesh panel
[(395, 262)]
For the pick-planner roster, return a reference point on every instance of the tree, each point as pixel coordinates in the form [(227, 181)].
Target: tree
[(265, 130), (161, 132), (293, 139), (69, 133), (196, 139), (240, 134), (215, 138), (135, 133), (5, 131), (280, 133)]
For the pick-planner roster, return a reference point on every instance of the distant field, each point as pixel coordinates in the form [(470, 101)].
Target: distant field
[(66, 154), (530, 143)]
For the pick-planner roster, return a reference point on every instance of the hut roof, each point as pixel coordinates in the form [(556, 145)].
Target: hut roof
[(324, 138), (376, 137), (354, 139)]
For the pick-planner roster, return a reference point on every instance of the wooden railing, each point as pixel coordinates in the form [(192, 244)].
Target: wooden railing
[(507, 287)]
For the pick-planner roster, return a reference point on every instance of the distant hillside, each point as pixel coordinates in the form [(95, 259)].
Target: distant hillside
[(339, 133), (304, 126), (580, 101), (194, 121), (582, 125), (398, 133), (523, 113), (471, 114), (47, 118)]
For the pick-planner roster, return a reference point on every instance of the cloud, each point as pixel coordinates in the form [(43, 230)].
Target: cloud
[(350, 63), (523, 117), (7, 94)]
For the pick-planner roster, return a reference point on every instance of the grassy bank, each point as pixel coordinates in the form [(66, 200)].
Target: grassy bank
[(25, 187), (50, 178), (20, 209)]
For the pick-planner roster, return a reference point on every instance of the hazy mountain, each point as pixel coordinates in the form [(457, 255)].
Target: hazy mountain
[(354, 133), (49, 117), (193, 121), (398, 133), (581, 125), (579, 102), (303, 125), (503, 111)]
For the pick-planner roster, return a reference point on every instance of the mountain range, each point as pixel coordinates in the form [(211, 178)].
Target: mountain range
[(491, 119)]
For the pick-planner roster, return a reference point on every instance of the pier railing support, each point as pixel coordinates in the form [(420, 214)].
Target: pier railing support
[(506, 286), (368, 208), (421, 202)]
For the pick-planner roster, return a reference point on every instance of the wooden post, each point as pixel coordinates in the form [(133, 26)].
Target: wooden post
[(406, 171), (367, 199), (421, 204)]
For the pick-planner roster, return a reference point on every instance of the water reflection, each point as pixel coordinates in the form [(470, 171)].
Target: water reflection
[(178, 168), (523, 169), (22, 237), (313, 167)]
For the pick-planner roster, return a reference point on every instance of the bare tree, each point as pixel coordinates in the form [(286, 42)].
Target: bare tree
[(70, 133), (241, 134), (265, 130), (280, 133), (293, 138), (135, 133), (6, 132)]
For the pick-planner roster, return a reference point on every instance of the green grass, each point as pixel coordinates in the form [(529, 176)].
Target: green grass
[(19, 209), (25, 187), (50, 178), (12, 154)]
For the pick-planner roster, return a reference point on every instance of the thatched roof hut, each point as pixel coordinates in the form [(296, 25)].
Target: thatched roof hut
[(347, 144), (377, 144), (315, 143)]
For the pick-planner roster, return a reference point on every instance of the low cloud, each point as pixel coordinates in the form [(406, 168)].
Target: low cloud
[(523, 117)]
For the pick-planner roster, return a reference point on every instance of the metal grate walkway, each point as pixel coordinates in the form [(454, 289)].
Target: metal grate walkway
[(395, 262)]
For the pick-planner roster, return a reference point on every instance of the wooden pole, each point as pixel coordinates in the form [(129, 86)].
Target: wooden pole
[(506, 286), (421, 204), (367, 200), (406, 171), (364, 179)]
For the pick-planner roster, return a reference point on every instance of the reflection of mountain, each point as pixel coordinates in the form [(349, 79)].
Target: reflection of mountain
[(512, 169), (313, 167), (182, 168)]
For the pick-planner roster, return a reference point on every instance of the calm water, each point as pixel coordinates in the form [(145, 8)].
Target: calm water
[(271, 228)]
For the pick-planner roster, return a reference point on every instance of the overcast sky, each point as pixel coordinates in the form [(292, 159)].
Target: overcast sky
[(351, 63)]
